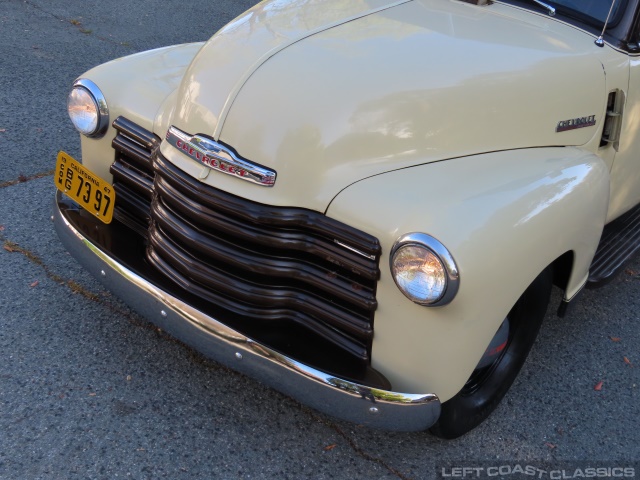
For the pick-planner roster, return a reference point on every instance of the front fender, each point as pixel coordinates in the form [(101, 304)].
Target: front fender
[(504, 216), (151, 78)]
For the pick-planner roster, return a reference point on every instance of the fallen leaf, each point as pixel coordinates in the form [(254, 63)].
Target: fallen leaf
[(2, 130), (627, 361), (9, 248), (330, 447), (629, 271), (128, 378), (615, 339), (598, 386), (92, 394), (550, 445), (35, 284)]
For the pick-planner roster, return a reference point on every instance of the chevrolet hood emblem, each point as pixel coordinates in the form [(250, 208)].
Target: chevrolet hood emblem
[(219, 157)]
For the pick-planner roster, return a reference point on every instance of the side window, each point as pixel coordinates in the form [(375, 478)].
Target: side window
[(634, 37)]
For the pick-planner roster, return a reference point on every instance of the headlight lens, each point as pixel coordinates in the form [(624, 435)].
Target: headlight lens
[(83, 111), (424, 270), (419, 274), (88, 109)]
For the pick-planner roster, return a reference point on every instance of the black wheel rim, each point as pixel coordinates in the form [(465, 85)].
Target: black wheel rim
[(481, 375)]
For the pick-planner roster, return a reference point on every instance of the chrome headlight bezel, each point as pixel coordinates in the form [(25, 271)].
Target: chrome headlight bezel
[(436, 248), (100, 105)]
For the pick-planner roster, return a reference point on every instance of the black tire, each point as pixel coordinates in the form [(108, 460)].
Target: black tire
[(486, 386)]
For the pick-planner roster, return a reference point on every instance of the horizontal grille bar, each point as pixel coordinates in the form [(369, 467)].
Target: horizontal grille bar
[(148, 140)]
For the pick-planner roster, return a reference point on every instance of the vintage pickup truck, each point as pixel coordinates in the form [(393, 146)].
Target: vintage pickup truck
[(365, 203)]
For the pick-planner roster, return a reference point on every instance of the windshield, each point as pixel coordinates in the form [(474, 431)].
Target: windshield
[(591, 12), (596, 10)]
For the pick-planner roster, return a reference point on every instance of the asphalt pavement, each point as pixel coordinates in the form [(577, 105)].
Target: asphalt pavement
[(88, 389)]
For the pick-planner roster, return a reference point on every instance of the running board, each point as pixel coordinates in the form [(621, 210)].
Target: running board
[(620, 241)]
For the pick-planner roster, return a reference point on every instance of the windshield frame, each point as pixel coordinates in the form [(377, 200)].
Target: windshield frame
[(621, 29)]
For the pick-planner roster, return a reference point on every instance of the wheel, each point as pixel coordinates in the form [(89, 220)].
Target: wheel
[(500, 364)]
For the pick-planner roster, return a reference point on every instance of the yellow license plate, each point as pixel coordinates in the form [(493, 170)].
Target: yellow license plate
[(79, 183)]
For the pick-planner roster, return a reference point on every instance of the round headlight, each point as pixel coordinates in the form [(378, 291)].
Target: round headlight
[(87, 108), (424, 270)]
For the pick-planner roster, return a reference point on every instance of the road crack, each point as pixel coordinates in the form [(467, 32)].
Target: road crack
[(77, 288), (23, 178), (76, 23), (134, 319)]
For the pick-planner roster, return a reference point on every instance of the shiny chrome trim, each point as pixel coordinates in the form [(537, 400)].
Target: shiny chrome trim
[(438, 249), (550, 10), (354, 250), (334, 396), (218, 157), (101, 102)]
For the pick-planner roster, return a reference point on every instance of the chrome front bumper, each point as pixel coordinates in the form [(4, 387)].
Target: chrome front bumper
[(334, 396)]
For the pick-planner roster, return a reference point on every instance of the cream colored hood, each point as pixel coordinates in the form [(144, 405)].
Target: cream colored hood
[(226, 61), (327, 92)]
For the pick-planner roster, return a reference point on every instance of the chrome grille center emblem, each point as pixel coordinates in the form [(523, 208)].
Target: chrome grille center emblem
[(218, 157)]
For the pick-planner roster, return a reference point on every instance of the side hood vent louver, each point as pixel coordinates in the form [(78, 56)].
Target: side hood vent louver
[(613, 120)]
